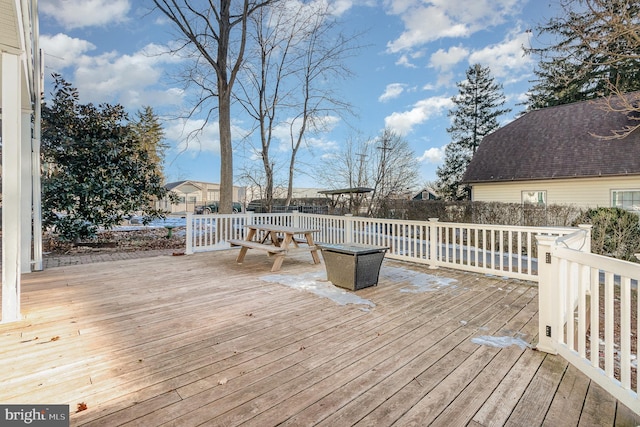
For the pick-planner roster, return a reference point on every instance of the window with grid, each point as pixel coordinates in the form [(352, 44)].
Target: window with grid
[(626, 199), (534, 197)]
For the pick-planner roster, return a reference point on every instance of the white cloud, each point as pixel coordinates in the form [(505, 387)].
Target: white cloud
[(392, 91), (404, 61), (445, 60), (433, 155), (195, 135), (404, 122), (85, 13), (282, 132), (426, 21), (62, 51), (505, 58), (101, 77), (339, 7), (131, 80)]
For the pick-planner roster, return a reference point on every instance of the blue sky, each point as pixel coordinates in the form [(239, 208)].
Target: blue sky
[(404, 77)]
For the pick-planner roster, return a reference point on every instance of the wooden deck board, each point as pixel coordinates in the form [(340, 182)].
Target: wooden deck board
[(201, 340), (389, 398)]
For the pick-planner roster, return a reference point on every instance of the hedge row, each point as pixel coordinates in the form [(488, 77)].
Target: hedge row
[(615, 232)]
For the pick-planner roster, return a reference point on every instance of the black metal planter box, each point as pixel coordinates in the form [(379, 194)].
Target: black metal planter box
[(352, 265)]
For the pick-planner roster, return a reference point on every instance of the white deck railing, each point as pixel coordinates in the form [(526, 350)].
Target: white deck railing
[(508, 251), (585, 313), (576, 288)]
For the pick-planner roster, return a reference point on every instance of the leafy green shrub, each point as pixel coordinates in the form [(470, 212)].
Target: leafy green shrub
[(615, 232), (98, 165)]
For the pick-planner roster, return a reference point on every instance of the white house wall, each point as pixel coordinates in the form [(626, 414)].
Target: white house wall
[(19, 52), (580, 192), (11, 185)]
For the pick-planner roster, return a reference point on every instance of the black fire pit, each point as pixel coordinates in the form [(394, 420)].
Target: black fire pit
[(353, 265)]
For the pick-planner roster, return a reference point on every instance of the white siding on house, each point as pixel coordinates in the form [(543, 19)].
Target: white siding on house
[(580, 192)]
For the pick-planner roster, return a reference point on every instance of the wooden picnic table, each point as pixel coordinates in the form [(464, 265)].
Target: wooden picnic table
[(276, 240)]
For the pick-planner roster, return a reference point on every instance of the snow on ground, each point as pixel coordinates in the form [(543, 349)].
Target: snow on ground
[(135, 223)]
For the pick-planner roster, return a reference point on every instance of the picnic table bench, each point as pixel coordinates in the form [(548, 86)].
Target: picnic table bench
[(271, 249), (280, 239)]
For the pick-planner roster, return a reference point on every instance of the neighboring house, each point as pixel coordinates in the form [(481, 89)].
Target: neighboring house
[(427, 193), (197, 193), (557, 155)]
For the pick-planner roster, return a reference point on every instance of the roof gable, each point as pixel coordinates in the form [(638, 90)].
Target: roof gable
[(558, 142)]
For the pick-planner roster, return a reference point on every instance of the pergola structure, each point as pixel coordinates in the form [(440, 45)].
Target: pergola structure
[(20, 97), (353, 193)]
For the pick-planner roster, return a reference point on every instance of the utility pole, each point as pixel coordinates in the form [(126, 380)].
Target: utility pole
[(382, 173), (383, 164), (355, 205)]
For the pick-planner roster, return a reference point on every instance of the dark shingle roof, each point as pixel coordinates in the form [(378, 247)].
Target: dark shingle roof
[(172, 185), (558, 142)]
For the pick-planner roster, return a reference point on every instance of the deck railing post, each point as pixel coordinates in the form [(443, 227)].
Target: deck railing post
[(248, 220), (295, 219), (348, 228), (587, 240), (548, 301), (433, 243), (189, 238)]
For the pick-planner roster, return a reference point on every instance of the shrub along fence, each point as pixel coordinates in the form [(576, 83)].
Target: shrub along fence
[(483, 212), (615, 232)]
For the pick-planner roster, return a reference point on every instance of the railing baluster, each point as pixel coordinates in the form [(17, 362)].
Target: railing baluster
[(568, 318), (583, 285), (625, 332), (608, 325), (594, 337)]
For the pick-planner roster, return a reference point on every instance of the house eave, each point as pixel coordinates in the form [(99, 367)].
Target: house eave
[(558, 177)]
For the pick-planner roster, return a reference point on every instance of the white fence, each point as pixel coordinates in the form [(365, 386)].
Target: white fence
[(508, 251), (588, 309), (587, 302)]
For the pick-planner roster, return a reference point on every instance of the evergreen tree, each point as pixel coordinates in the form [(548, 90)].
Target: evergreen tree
[(596, 52), (97, 169), (148, 130), (475, 115)]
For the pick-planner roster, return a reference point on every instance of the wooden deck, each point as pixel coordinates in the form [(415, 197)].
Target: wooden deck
[(199, 340)]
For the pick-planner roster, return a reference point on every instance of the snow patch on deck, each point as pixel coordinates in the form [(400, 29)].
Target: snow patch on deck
[(316, 283), (418, 282), (500, 342)]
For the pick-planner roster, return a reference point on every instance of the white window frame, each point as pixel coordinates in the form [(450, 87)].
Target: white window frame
[(634, 207), (531, 194)]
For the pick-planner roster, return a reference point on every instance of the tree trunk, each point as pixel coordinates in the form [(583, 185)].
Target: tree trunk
[(226, 154)]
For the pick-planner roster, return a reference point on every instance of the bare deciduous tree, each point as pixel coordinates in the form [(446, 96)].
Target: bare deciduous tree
[(297, 55), (385, 164), (214, 37)]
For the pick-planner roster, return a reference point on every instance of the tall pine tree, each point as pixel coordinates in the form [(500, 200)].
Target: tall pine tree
[(475, 115), (148, 131)]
